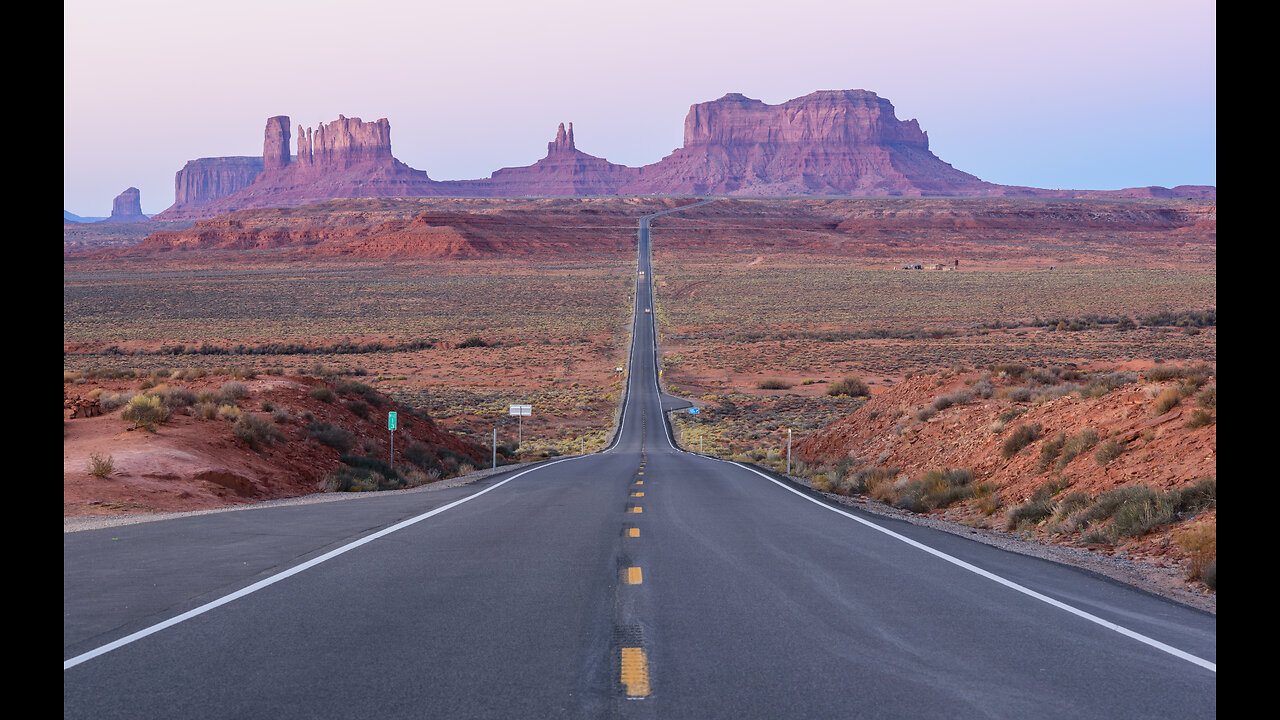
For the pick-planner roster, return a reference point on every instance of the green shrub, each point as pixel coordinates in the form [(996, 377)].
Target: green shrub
[(1022, 436), (323, 393), (473, 341), (773, 384), (145, 411)]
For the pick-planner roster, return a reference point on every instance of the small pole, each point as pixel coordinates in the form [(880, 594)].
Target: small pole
[(788, 451), (495, 447)]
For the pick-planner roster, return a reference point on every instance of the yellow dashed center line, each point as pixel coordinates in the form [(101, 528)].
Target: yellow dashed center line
[(637, 509), (633, 532), (635, 672), (639, 482), (637, 494), (634, 577)]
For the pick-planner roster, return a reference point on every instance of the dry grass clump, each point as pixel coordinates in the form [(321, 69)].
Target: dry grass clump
[(1200, 542), (100, 466), (773, 384), (851, 385)]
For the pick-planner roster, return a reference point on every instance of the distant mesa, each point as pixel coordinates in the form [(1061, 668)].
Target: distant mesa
[(127, 207), (826, 143)]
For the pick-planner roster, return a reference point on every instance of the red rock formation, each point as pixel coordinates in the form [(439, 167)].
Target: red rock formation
[(275, 147), (831, 142), (844, 142), (205, 180), (127, 207), (565, 172)]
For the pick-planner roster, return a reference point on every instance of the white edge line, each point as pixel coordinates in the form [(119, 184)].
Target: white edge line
[(991, 576), (115, 644)]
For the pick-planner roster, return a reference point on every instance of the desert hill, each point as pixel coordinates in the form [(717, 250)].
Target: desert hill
[(233, 439)]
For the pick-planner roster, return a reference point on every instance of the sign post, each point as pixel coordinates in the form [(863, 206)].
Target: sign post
[(521, 412), (391, 426)]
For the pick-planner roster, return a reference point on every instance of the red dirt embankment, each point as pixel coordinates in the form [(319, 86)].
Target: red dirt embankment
[(192, 463)]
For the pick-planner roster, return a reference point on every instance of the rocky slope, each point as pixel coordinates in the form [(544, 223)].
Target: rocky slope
[(834, 142), (1040, 451)]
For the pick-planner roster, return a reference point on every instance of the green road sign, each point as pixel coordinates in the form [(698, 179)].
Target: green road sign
[(391, 421)]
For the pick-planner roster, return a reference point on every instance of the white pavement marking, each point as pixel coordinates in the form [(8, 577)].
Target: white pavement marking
[(996, 578), (66, 664)]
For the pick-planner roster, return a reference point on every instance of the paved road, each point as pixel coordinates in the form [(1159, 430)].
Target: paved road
[(639, 582)]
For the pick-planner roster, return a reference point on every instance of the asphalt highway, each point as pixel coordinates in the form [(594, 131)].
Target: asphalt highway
[(643, 581)]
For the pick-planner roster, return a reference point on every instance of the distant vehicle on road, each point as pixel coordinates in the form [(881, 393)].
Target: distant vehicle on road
[(646, 309)]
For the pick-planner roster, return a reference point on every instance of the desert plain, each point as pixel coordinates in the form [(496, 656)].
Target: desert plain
[(1043, 368)]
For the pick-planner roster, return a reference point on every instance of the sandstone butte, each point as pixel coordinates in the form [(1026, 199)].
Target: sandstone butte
[(830, 142)]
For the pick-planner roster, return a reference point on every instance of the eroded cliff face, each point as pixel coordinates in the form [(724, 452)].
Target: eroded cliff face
[(201, 182)]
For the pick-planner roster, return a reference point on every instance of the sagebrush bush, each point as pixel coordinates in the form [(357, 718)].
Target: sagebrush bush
[(256, 430), (1109, 450), (1075, 445), (231, 393), (1050, 450), (331, 435), (773, 384), (1199, 418), (322, 393), (1022, 436)]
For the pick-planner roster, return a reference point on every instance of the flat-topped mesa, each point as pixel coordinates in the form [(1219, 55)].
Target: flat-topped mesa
[(843, 117), (563, 142)]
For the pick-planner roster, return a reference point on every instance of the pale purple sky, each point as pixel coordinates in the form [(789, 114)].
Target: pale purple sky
[(1088, 94)]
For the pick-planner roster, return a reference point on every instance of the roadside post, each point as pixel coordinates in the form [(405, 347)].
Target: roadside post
[(520, 412), (495, 447), (788, 451), (391, 426)]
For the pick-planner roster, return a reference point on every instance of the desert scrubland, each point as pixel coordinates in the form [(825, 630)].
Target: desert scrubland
[(1040, 367)]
